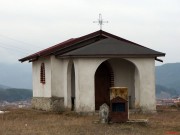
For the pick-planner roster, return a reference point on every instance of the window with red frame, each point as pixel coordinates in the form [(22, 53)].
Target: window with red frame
[(42, 74)]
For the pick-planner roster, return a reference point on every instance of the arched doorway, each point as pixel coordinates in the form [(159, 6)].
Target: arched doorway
[(103, 82), (71, 86)]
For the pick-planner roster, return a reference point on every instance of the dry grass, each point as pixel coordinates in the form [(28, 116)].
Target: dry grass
[(32, 122)]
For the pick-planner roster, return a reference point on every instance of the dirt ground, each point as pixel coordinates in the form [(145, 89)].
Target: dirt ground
[(33, 122)]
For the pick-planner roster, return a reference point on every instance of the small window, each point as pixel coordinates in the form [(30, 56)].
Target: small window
[(42, 74)]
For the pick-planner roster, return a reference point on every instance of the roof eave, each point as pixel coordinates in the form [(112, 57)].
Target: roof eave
[(114, 56)]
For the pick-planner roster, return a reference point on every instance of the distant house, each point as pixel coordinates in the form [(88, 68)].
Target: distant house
[(78, 73)]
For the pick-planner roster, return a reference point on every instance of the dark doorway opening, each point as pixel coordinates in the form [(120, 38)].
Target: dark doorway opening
[(72, 88), (103, 78)]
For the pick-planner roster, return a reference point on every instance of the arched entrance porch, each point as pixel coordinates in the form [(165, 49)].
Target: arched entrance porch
[(122, 73)]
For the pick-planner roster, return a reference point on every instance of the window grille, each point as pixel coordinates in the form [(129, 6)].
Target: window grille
[(42, 74)]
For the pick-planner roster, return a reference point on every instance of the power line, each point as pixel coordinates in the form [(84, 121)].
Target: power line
[(15, 47), (11, 49), (19, 41)]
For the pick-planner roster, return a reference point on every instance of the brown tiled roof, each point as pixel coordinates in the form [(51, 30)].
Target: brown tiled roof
[(79, 47), (47, 51)]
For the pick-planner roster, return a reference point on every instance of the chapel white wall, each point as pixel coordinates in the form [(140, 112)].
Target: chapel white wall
[(146, 83), (57, 77), (85, 69), (60, 80), (54, 75), (39, 89)]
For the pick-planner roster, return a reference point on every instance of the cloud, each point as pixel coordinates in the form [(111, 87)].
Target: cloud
[(8, 56), (43, 23)]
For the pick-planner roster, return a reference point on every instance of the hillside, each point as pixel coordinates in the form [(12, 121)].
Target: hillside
[(164, 92), (168, 75), (3, 87), (12, 94), (16, 75)]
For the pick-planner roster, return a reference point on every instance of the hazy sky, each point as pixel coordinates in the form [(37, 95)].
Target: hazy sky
[(27, 26)]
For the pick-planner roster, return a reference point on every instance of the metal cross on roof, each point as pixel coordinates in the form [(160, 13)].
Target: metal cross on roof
[(100, 21)]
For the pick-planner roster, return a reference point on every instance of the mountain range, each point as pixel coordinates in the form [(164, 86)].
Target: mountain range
[(168, 75), (15, 94), (168, 80), (16, 75), (17, 78), (15, 82)]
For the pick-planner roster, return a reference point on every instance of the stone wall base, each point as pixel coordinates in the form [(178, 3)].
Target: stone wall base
[(48, 103)]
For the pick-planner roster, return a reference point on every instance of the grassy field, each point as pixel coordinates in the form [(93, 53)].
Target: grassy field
[(32, 122)]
